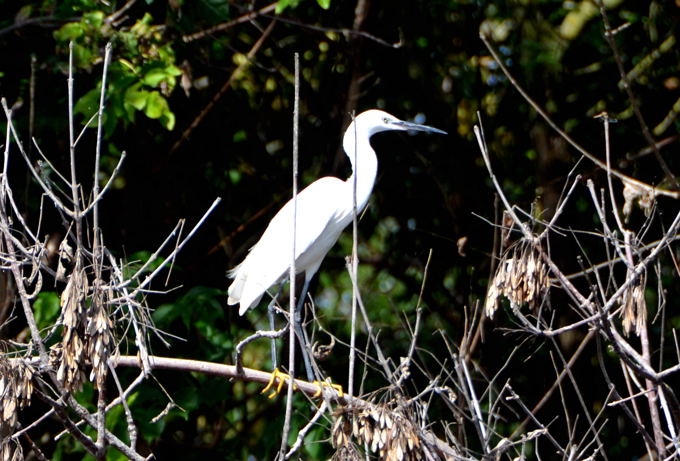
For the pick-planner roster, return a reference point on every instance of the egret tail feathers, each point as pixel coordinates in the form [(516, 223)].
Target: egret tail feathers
[(243, 291)]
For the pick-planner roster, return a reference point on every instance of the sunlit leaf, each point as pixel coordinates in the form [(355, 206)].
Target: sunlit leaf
[(285, 4), (155, 76), (136, 98), (156, 105), (69, 32), (46, 308)]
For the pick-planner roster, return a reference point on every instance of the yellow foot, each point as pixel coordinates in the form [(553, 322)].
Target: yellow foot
[(327, 383), (275, 384)]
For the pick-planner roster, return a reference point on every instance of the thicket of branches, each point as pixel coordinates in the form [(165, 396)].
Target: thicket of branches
[(587, 303)]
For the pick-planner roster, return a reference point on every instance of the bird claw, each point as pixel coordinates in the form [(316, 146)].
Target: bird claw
[(274, 386), (329, 384), (278, 379)]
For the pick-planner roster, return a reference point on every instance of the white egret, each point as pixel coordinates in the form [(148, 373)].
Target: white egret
[(324, 209)]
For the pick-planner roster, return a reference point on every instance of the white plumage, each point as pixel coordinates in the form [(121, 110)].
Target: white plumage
[(324, 209)]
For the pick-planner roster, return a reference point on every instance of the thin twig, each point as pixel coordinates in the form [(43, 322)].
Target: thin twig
[(225, 87), (354, 269), (382, 360), (292, 317), (250, 16), (14, 263), (406, 362), (302, 433), (609, 37), (180, 245), (626, 179)]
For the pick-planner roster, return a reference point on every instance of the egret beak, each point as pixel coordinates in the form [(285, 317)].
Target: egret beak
[(410, 126)]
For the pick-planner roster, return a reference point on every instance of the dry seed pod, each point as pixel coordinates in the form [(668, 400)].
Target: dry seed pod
[(521, 277), (634, 307)]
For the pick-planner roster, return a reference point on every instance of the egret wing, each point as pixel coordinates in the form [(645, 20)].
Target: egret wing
[(319, 209)]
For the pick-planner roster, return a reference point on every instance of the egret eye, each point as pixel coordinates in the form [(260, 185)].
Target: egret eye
[(386, 120)]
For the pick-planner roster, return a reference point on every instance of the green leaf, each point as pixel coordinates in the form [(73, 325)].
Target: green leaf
[(284, 4), (168, 120), (240, 136), (234, 176), (23, 14), (155, 76), (136, 98), (156, 105), (69, 32), (46, 308), (325, 4), (203, 301), (139, 258), (174, 71), (166, 313), (88, 104), (83, 56), (94, 19)]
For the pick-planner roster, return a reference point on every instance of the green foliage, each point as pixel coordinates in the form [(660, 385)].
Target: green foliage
[(46, 308), (201, 311), (202, 300), (283, 5), (141, 77)]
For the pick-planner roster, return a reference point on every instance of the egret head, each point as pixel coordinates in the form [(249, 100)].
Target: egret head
[(375, 121)]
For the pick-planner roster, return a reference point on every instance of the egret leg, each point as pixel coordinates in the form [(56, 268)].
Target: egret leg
[(271, 311), (299, 332)]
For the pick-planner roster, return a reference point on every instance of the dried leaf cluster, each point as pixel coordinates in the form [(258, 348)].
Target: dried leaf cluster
[(10, 450), (386, 430), (87, 336), (634, 307), (16, 388), (522, 277), (632, 193)]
